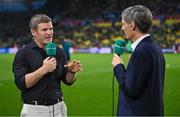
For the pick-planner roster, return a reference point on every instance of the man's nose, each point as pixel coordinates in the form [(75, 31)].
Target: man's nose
[(49, 31)]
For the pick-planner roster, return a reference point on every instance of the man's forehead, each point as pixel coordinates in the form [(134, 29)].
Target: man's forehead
[(45, 25)]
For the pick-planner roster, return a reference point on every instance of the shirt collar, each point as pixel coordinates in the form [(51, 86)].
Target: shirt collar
[(33, 44), (133, 46)]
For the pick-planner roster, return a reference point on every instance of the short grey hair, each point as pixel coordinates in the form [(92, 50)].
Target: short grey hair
[(37, 19), (141, 16)]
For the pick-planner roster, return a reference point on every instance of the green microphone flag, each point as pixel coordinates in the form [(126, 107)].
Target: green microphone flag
[(119, 47), (51, 49)]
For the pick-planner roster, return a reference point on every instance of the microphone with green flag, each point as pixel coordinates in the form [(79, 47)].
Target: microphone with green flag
[(51, 52), (119, 47), (51, 49)]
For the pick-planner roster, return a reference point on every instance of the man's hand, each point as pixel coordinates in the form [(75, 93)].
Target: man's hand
[(49, 64), (74, 66), (117, 60)]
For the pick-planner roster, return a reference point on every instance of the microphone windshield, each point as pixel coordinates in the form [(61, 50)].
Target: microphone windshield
[(119, 47), (51, 49)]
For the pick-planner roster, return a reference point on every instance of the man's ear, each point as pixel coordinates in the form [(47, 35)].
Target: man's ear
[(33, 32), (133, 25)]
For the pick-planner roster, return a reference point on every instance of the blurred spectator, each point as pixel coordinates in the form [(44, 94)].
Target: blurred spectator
[(66, 44)]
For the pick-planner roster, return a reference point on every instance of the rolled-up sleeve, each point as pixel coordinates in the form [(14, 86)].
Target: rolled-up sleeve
[(20, 69), (65, 70)]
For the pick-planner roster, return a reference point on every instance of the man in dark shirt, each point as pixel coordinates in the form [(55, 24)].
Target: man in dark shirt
[(39, 76)]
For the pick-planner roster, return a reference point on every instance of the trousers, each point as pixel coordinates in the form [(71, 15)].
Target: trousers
[(56, 110)]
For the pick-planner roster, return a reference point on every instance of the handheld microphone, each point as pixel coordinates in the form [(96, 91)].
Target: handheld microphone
[(119, 47), (51, 52), (51, 49)]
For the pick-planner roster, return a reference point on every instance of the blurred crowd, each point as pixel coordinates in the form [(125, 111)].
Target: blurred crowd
[(101, 33), (93, 24)]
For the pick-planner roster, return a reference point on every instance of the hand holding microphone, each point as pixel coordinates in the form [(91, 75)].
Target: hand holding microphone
[(118, 49), (49, 64), (117, 60)]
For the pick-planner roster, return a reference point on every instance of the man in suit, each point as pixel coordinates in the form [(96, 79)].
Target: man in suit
[(142, 82)]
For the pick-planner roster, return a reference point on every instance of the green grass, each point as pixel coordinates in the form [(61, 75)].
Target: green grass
[(91, 95)]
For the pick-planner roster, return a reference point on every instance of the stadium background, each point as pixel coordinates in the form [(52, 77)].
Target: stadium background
[(89, 24)]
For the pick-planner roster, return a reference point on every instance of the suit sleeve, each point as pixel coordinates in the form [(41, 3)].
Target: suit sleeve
[(133, 81)]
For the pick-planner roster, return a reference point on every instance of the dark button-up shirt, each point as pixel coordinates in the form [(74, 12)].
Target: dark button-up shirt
[(28, 60)]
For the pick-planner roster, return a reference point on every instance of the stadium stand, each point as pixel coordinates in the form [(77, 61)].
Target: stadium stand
[(88, 23)]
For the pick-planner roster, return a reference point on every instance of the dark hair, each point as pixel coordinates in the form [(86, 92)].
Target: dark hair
[(37, 19)]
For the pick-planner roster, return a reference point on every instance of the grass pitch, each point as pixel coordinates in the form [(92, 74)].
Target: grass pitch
[(91, 95)]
